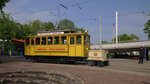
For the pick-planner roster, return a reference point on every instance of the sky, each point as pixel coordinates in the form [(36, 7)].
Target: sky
[(132, 14)]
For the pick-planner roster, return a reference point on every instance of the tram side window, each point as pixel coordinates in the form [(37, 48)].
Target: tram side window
[(72, 40), (27, 41), (50, 40), (43, 40), (38, 41), (32, 41), (78, 39), (56, 40), (63, 40)]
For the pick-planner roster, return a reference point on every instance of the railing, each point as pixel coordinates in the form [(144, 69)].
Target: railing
[(128, 41)]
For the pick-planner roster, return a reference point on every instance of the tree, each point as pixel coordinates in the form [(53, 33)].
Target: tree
[(35, 26), (124, 37), (105, 42), (147, 29), (66, 24), (134, 37), (19, 31), (8, 30), (80, 29), (47, 26), (2, 4), (27, 29)]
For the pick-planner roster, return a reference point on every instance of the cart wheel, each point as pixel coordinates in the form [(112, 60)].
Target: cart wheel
[(90, 63), (100, 64)]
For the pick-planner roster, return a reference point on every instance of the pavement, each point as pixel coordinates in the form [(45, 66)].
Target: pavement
[(120, 71), (116, 65)]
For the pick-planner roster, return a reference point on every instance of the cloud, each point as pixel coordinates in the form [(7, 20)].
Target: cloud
[(22, 16), (27, 17)]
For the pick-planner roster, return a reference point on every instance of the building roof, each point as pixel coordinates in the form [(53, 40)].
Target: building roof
[(17, 41)]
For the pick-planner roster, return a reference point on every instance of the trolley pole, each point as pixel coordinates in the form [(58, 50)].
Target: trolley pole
[(113, 32), (116, 28), (100, 41)]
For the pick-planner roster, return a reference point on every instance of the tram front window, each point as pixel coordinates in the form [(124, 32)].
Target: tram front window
[(78, 39), (86, 40), (27, 41), (72, 40)]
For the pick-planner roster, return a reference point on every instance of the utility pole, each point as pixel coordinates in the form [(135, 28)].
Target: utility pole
[(117, 28), (100, 41), (113, 32)]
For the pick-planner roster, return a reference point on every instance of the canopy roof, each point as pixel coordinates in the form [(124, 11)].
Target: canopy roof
[(17, 41)]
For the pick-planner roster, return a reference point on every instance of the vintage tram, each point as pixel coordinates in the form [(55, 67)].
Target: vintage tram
[(58, 45)]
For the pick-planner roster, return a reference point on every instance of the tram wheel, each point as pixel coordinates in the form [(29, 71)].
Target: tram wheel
[(100, 64)]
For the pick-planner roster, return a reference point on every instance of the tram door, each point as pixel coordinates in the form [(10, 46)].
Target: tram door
[(27, 46), (32, 43), (72, 46)]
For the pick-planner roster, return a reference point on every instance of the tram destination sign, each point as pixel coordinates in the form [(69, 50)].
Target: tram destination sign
[(52, 33)]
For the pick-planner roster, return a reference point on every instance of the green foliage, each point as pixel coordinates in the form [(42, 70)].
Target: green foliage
[(26, 29), (47, 26), (36, 26), (66, 24), (2, 3), (8, 28), (80, 29), (125, 38), (105, 42), (147, 28)]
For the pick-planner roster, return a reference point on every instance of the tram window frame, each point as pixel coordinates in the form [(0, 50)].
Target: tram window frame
[(56, 38), (63, 40), (50, 41), (43, 41), (79, 41), (72, 42), (38, 41), (32, 41), (27, 41)]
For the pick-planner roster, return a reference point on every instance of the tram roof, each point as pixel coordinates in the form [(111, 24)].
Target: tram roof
[(65, 31)]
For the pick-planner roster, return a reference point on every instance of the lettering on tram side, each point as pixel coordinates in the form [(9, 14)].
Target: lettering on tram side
[(50, 49), (55, 49), (41, 49)]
